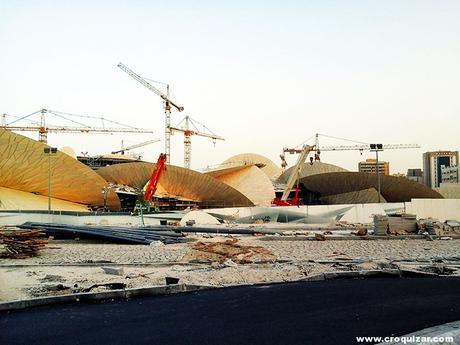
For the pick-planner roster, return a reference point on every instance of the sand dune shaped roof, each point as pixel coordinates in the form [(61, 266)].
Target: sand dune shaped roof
[(177, 182), (393, 189), (249, 180), (311, 169), (13, 199), (24, 167), (266, 165)]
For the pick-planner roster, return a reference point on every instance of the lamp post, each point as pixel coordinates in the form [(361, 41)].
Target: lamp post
[(49, 151), (105, 191), (376, 148)]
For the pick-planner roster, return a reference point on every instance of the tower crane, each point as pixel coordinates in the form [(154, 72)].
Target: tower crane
[(43, 129), (166, 101), (188, 131), (306, 149), (362, 147), (135, 146)]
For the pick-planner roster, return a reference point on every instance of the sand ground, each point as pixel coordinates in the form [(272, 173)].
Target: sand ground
[(70, 266)]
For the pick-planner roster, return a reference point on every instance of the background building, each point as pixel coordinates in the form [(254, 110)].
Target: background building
[(370, 164), (449, 174), (415, 175), (432, 162)]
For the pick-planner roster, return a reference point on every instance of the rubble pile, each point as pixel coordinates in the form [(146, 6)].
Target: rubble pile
[(435, 227), (21, 244), (221, 252)]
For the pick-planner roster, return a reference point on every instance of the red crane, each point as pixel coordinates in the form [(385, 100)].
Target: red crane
[(157, 172)]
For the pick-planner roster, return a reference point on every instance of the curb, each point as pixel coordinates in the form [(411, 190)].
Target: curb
[(101, 296), (178, 288), (396, 273), (352, 238)]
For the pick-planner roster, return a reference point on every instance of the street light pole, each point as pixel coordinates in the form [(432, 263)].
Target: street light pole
[(105, 191), (49, 151), (376, 148)]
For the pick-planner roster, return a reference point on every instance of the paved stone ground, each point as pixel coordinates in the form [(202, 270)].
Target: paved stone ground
[(65, 263), (76, 252)]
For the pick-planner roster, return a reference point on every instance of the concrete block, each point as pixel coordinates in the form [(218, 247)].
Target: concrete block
[(118, 271)]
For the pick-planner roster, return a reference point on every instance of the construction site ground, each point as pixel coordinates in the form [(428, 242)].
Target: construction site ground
[(69, 266)]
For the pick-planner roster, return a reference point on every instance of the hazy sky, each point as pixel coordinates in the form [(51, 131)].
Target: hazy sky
[(263, 74)]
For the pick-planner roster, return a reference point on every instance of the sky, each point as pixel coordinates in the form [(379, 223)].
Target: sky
[(262, 74)]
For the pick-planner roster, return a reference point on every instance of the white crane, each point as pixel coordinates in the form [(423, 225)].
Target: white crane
[(361, 147), (135, 146), (43, 128), (188, 131), (167, 105), (306, 149)]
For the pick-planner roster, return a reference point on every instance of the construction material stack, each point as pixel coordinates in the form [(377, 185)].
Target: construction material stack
[(21, 244), (381, 224)]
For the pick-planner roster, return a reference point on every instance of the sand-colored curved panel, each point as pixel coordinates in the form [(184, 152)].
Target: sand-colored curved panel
[(11, 199), (266, 165), (250, 181), (134, 174), (177, 182), (311, 169), (24, 167), (366, 196), (393, 189)]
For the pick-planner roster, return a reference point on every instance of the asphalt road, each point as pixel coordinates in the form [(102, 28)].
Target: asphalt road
[(324, 312)]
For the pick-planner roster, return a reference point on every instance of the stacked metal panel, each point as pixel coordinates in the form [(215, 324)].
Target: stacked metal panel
[(110, 233)]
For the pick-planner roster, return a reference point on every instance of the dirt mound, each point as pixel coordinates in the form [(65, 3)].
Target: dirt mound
[(229, 249)]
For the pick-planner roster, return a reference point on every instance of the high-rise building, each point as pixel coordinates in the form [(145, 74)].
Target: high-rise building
[(369, 166), (449, 174), (432, 163), (415, 175)]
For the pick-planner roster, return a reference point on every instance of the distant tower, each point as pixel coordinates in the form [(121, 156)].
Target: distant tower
[(432, 162), (369, 166)]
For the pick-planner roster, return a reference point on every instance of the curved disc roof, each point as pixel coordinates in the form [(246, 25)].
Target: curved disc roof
[(393, 189), (250, 181), (178, 183), (311, 169), (12, 199), (24, 167), (266, 165), (134, 174)]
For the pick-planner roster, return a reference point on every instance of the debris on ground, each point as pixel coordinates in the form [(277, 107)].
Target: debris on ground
[(229, 249), (320, 237), (432, 226), (230, 263), (453, 225), (361, 232), (171, 280), (440, 269), (109, 286), (21, 244), (427, 236), (52, 278), (118, 271), (396, 231)]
